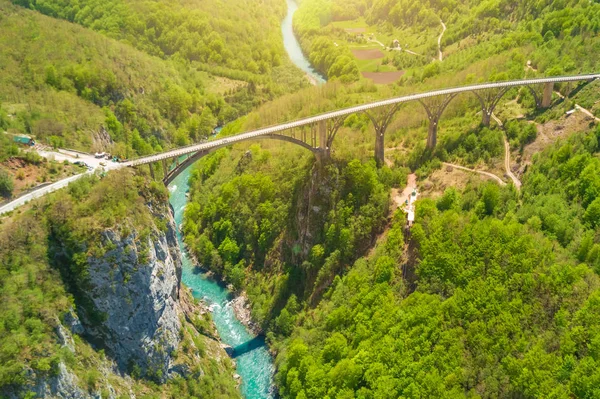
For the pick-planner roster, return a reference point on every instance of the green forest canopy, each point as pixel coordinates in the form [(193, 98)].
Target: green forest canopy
[(557, 36), (60, 88)]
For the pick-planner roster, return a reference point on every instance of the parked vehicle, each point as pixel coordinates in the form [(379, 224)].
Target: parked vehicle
[(23, 139), (100, 155)]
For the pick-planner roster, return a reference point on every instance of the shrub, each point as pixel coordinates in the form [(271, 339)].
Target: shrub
[(6, 184)]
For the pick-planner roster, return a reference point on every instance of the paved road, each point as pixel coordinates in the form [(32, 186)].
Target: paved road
[(11, 206), (60, 156)]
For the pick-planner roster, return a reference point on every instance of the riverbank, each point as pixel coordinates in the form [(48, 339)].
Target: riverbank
[(240, 302), (231, 313), (243, 312), (292, 46), (254, 363)]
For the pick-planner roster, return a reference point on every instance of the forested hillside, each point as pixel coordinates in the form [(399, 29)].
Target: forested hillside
[(493, 292), (557, 37), (46, 267), (241, 39), (70, 86), (506, 302)]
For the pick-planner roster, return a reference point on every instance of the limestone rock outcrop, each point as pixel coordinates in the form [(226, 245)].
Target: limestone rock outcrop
[(133, 290)]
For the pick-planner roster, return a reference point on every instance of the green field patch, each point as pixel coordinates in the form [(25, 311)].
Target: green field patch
[(368, 54), (354, 24), (374, 66)]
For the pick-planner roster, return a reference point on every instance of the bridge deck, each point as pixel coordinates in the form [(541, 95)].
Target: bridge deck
[(348, 111), (298, 123)]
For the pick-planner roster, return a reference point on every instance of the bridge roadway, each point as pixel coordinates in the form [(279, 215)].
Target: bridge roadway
[(271, 132), (348, 111)]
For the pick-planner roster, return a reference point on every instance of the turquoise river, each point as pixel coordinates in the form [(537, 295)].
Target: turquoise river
[(255, 366), (254, 363)]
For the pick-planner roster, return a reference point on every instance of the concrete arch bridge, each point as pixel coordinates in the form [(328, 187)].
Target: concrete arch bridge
[(317, 133)]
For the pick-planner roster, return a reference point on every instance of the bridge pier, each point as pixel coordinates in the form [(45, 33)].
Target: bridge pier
[(542, 94), (151, 170), (381, 124), (432, 134), (547, 96), (380, 147), (321, 157), (489, 99), (435, 106), (323, 136), (486, 118)]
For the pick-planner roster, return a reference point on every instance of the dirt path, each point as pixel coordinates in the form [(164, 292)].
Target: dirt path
[(587, 112), (401, 197), (398, 199), (528, 67), (441, 55), (580, 108), (481, 172), (509, 172), (412, 52), (377, 41), (374, 40), (507, 168)]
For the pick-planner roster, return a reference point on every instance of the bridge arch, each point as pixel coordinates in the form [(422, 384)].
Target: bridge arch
[(172, 174)]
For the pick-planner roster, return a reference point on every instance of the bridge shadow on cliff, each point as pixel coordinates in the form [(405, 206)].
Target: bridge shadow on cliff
[(578, 88), (248, 346)]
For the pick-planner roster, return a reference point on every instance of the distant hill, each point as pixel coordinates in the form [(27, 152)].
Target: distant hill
[(557, 37), (71, 86)]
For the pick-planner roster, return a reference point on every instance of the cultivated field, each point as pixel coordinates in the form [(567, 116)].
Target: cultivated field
[(372, 54), (383, 77)]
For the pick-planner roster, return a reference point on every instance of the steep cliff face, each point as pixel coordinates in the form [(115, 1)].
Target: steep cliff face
[(92, 304), (134, 291), (64, 384)]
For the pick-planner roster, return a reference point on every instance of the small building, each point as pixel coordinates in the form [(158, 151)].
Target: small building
[(396, 43), (23, 139)]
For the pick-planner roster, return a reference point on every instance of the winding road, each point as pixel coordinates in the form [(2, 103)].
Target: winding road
[(22, 200), (481, 172), (507, 168), (441, 55)]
